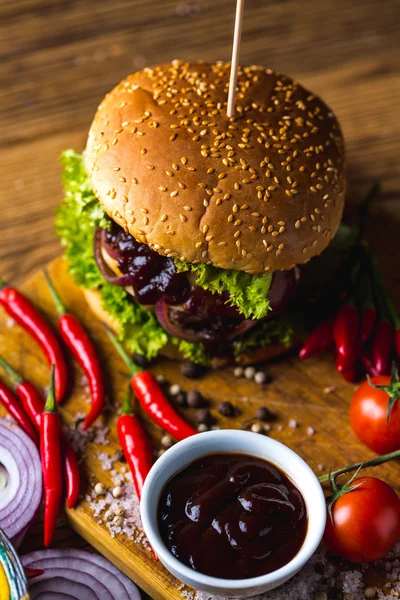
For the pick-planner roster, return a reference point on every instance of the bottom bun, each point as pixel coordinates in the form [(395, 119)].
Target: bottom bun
[(257, 355)]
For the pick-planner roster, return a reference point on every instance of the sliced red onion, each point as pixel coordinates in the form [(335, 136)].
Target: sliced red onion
[(121, 280), (56, 580), (57, 587), (109, 248), (21, 481), (61, 566), (58, 596), (162, 313)]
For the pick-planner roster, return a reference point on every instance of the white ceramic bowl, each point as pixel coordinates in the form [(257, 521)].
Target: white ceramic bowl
[(187, 451)]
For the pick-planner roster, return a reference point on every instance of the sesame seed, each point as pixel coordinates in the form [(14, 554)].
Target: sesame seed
[(174, 194)]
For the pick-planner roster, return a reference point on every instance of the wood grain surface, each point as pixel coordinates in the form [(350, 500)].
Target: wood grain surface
[(59, 58)]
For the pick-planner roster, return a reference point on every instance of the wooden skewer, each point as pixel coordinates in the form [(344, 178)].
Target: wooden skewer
[(235, 58)]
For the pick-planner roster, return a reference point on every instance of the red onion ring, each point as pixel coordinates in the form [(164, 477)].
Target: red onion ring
[(111, 251), (22, 477), (161, 311), (121, 280), (76, 574)]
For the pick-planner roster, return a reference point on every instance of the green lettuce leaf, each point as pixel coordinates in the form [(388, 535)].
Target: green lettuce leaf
[(272, 331), (247, 292), (194, 352), (78, 216)]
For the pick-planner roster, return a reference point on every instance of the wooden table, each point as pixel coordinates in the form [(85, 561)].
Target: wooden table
[(58, 59)]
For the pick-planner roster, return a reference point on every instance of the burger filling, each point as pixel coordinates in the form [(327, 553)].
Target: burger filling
[(183, 308), (157, 299)]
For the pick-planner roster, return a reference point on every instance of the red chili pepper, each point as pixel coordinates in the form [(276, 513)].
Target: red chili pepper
[(350, 373), (135, 445), (13, 407), (31, 573), (156, 405), (345, 334), (368, 366), (50, 450), (397, 342), (318, 341), (81, 347), (72, 474), (25, 314), (368, 318), (396, 324), (33, 404), (151, 397), (381, 347)]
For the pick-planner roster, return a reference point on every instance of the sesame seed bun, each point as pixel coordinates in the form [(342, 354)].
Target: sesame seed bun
[(257, 355), (261, 191)]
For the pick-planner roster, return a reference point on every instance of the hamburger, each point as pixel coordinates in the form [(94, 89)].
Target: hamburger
[(188, 229)]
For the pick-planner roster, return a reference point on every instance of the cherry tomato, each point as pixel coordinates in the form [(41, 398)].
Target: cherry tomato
[(366, 521), (368, 417)]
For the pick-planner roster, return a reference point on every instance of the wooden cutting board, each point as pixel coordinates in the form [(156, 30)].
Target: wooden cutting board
[(310, 393)]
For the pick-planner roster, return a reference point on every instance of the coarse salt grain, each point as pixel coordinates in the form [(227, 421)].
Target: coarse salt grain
[(292, 423), (310, 430)]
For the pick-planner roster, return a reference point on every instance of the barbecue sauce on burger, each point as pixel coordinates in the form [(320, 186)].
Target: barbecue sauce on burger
[(232, 516)]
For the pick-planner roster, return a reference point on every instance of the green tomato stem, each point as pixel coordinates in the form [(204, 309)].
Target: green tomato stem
[(374, 462)]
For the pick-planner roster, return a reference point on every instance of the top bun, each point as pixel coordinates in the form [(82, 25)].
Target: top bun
[(260, 191)]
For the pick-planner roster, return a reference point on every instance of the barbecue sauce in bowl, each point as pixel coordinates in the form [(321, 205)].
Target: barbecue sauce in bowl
[(232, 516)]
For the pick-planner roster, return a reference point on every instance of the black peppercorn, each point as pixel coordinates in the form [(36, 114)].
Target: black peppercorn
[(140, 360), (191, 370), (180, 399), (226, 409), (196, 400), (204, 416), (264, 414)]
